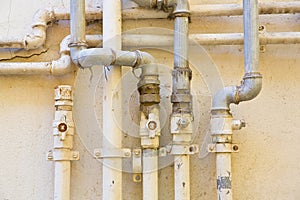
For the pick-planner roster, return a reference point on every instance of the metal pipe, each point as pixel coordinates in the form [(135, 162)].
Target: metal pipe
[(77, 28), (63, 132), (221, 119), (63, 65), (181, 117), (252, 82), (62, 178), (182, 177), (45, 17), (112, 134), (145, 40), (148, 87), (59, 67)]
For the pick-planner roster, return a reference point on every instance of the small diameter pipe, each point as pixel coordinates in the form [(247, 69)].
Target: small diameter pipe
[(62, 179), (182, 177), (77, 28), (148, 87), (45, 17), (150, 174), (63, 65), (221, 119), (63, 132)]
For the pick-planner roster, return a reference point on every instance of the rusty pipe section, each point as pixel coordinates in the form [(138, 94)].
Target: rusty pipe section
[(252, 80)]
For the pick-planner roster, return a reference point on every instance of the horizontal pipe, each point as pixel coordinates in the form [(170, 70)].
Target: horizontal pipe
[(144, 40), (45, 17), (58, 67), (105, 56), (63, 64)]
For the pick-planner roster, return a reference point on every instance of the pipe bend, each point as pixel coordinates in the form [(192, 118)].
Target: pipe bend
[(43, 17), (41, 20), (62, 66), (248, 90)]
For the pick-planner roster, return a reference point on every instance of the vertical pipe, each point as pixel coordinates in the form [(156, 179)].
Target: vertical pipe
[(182, 177), (77, 28), (150, 174), (251, 40), (62, 180), (181, 81), (223, 164), (63, 132), (181, 99), (77, 21), (112, 135)]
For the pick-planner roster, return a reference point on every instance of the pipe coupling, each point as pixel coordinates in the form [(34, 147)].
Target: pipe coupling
[(182, 71), (78, 44)]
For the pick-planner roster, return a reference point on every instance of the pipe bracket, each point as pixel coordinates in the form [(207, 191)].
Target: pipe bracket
[(178, 150), (223, 148), (137, 165), (62, 155), (112, 153)]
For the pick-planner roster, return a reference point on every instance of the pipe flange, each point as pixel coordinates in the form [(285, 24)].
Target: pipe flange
[(149, 98), (181, 98)]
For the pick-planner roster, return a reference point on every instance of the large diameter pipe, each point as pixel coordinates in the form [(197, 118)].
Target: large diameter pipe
[(112, 134)]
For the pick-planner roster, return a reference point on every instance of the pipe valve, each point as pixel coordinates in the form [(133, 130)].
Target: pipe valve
[(151, 126)]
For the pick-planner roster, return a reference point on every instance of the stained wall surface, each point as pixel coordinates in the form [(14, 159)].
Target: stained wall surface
[(266, 167)]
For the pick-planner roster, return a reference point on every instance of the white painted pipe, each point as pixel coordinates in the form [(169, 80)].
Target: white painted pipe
[(223, 165), (62, 178), (182, 177), (63, 132), (59, 67), (112, 133), (63, 65), (150, 174), (45, 17)]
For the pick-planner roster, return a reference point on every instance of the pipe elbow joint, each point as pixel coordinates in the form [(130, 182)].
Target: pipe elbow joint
[(248, 90), (35, 39), (43, 17), (223, 98), (62, 66), (181, 8), (250, 87), (144, 58)]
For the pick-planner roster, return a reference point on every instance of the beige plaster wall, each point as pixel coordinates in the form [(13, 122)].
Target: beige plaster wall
[(266, 168)]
